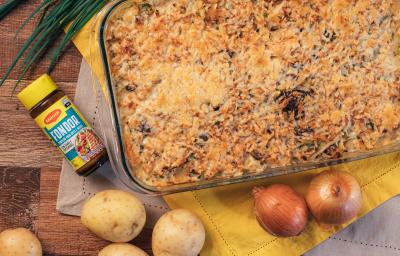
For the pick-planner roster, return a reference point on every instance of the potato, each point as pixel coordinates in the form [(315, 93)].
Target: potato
[(178, 233), (121, 249), (19, 242), (114, 215)]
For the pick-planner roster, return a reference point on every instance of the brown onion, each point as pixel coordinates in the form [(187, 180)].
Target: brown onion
[(280, 210), (334, 197)]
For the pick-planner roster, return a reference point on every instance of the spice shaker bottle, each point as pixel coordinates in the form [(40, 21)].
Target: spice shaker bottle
[(62, 122)]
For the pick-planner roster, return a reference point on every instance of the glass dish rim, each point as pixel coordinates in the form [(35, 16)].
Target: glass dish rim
[(202, 184)]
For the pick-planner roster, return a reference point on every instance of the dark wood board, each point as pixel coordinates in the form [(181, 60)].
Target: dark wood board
[(19, 197)]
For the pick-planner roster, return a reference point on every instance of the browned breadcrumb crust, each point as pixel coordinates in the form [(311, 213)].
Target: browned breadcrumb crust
[(210, 88)]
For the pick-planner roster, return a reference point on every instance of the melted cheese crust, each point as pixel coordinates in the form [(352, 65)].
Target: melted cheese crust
[(219, 88)]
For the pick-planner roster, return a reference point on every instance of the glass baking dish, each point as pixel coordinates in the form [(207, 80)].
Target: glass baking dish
[(112, 131)]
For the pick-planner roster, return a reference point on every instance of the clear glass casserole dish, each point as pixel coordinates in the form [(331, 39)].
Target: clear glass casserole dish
[(306, 122)]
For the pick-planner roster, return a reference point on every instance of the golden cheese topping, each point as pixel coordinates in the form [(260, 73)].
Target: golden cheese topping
[(219, 88)]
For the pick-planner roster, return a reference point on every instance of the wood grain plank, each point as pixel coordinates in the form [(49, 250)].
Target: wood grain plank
[(65, 235), (67, 68), (19, 197), (22, 143)]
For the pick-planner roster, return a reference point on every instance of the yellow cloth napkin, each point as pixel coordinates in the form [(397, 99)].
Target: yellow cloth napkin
[(227, 212)]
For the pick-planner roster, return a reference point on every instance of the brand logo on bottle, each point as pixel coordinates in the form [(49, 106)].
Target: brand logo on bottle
[(52, 116)]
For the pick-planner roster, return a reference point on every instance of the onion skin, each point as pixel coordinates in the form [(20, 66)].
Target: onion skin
[(334, 197), (280, 210)]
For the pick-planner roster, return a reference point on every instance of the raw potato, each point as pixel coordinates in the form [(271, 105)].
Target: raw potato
[(178, 233), (121, 249), (19, 242), (114, 215)]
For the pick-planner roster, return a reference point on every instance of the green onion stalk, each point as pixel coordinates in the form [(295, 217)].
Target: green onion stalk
[(8, 6), (55, 15)]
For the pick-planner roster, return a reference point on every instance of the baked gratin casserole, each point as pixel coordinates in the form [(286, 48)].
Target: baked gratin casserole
[(219, 89)]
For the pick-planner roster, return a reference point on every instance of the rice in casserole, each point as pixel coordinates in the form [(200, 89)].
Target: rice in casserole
[(210, 88)]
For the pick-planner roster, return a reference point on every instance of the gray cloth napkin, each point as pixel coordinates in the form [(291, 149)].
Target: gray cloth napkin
[(373, 235)]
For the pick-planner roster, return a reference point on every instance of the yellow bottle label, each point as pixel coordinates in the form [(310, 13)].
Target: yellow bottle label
[(70, 132)]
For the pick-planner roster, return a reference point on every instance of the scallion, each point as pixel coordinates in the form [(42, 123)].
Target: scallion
[(8, 6), (55, 16)]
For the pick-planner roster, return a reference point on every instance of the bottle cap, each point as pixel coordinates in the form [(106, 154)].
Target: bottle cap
[(37, 91)]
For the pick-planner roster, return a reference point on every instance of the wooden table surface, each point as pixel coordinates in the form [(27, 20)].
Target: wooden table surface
[(29, 164)]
